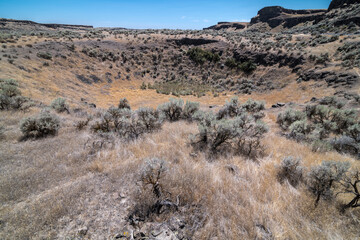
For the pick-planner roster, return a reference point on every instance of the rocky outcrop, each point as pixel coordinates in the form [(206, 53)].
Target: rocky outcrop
[(333, 79), (192, 41), (275, 16), (341, 3), (228, 25)]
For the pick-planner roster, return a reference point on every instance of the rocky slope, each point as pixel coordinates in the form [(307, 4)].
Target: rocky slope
[(342, 15)]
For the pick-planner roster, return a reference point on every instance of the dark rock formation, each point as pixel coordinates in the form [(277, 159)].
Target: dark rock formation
[(275, 16), (333, 79), (228, 25), (341, 3), (192, 41)]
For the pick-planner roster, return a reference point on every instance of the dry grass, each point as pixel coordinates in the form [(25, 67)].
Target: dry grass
[(54, 186), (50, 188)]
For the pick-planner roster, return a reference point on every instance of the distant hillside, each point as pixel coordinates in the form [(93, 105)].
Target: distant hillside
[(6, 24)]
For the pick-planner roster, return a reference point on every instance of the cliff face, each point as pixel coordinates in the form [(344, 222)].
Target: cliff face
[(341, 3), (276, 16)]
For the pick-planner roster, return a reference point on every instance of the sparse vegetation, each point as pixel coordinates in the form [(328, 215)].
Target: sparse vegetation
[(59, 105), (42, 125), (200, 56), (199, 167)]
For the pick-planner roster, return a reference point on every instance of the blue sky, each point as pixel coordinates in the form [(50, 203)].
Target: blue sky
[(183, 14)]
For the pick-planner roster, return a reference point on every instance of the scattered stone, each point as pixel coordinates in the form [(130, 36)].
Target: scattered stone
[(277, 105), (82, 231)]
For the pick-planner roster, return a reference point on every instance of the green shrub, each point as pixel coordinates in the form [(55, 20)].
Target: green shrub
[(41, 125), (290, 169), (189, 110), (200, 56), (288, 117), (247, 66), (172, 110), (59, 105), (299, 130)]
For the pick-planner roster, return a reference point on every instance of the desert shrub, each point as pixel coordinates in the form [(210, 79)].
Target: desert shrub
[(288, 117), (149, 118), (59, 105), (345, 144), (249, 141), (258, 115), (230, 109), (321, 146), (247, 67), (2, 131), (5, 102), (124, 103), (44, 55), (299, 130), (9, 88), (350, 185), (321, 179), (200, 56), (10, 96), (231, 63), (332, 119), (20, 103), (42, 125), (131, 127), (189, 110), (354, 131), (241, 134), (332, 101), (128, 124), (110, 120), (172, 110), (151, 173), (143, 86), (290, 169), (81, 124), (252, 106)]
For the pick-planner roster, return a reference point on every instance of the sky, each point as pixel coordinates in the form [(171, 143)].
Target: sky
[(183, 14)]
